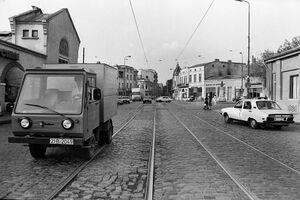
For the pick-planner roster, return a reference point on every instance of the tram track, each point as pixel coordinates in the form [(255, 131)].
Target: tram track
[(249, 194), (62, 184), (243, 142), (254, 189)]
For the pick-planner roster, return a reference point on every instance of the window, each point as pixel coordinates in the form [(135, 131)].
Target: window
[(130, 77), (247, 105), (294, 87), (190, 78), (200, 77), (119, 85), (126, 85), (25, 33), (64, 47), (121, 74), (238, 104), (127, 77), (130, 85), (34, 33), (195, 78)]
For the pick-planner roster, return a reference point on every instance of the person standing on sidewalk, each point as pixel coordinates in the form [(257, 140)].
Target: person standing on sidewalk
[(214, 100), (209, 101)]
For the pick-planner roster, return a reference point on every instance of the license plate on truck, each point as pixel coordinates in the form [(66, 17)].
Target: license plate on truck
[(62, 141)]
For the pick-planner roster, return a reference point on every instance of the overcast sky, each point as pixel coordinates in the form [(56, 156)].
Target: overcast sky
[(108, 32)]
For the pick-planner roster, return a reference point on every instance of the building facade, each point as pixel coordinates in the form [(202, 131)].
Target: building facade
[(282, 80), (217, 78), (35, 39), (127, 79), (147, 80)]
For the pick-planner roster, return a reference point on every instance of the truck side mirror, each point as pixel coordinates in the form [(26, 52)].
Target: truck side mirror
[(97, 94)]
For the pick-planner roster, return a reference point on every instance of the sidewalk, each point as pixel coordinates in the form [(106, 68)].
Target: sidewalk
[(5, 118)]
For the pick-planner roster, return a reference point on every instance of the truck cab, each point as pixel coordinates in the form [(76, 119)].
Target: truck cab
[(60, 107)]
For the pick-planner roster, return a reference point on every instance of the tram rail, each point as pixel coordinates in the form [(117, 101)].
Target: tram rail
[(246, 191), (62, 184), (243, 142)]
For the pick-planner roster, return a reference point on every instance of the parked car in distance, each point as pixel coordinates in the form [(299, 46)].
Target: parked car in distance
[(123, 99), (147, 99), (258, 113), (126, 99), (120, 100), (164, 99)]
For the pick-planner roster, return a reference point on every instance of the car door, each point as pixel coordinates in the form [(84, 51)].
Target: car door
[(246, 111), (236, 110)]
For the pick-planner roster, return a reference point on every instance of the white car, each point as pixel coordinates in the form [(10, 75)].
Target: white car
[(164, 99), (258, 112)]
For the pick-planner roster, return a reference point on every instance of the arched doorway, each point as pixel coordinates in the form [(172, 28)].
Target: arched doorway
[(12, 76)]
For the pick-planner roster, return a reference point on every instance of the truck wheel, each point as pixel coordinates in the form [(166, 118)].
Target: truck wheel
[(253, 123), (89, 152), (109, 133), (37, 150)]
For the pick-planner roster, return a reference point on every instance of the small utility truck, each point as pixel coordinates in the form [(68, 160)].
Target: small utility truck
[(65, 104)]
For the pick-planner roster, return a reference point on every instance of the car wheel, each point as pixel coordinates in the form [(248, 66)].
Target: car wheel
[(227, 119), (278, 126), (37, 150), (253, 124)]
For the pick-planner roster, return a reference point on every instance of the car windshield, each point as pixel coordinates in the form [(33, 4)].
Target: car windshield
[(267, 105), (55, 92)]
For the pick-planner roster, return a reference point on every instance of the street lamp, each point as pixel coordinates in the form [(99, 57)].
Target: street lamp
[(126, 59), (248, 61)]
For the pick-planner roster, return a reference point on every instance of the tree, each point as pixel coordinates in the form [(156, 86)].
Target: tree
[(287, 45), (266, 54)]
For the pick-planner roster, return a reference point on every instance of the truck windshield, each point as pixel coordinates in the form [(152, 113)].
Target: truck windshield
[(59, 93)]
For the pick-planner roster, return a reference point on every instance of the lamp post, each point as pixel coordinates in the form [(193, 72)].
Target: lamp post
[(242, 74), (125, 58), (248, 61)]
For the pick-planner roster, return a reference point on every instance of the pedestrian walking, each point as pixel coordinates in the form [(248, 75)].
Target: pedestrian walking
[(206, 103), (214, 100)]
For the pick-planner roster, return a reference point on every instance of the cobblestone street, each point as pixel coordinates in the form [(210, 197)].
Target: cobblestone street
[(227, 161)]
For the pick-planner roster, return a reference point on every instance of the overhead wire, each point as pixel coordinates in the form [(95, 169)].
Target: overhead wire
[(137, 27), (199, 23)]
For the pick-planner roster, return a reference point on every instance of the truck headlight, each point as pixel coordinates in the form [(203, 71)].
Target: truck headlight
[(67, 124), (25, 123)]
